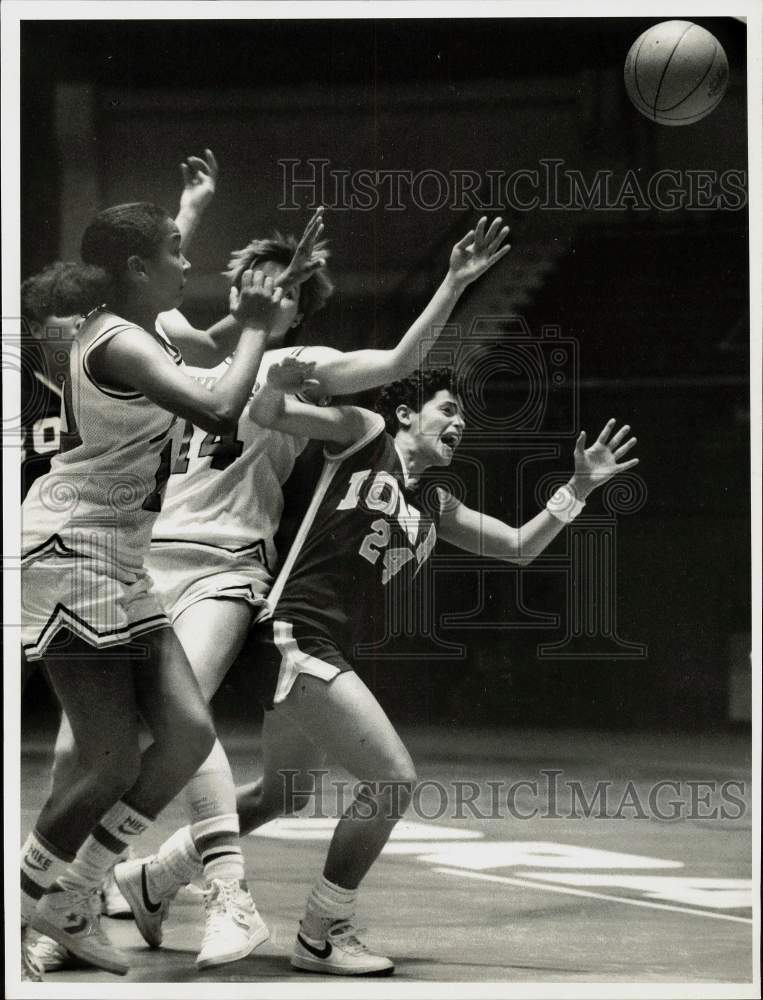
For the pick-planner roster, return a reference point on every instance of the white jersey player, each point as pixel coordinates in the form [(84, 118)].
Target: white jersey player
[(87, 525), (221, 511)]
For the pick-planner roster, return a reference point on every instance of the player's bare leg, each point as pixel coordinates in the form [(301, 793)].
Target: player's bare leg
[(350, 724), (286, 785), (212, 633), (116, 792)]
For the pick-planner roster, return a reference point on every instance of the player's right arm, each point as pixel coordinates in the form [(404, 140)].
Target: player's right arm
[(275, 407), (356, 371), (133, 359)]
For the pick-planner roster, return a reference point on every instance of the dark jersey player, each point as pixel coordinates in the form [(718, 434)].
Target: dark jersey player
[(44, 352), (365, 538)]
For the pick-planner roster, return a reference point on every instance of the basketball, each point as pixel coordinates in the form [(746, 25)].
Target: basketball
[(676, 73)]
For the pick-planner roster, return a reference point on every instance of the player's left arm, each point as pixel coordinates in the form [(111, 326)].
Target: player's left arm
[(274, 406), (200, 175), (357, 371), (488, 536)]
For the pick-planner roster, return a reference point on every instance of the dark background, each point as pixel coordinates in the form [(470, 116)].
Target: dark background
[(652, 306)]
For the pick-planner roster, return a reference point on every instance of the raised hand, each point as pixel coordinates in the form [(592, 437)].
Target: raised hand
[(290, 375), (307, 259), (597, 464), (200, 175), (478, 251), (257, 302)]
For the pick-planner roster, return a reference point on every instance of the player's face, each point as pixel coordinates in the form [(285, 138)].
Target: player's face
[(167, 270), (438, 427), (289, 313)]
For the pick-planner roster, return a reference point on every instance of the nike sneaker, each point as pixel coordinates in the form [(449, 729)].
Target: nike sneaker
[(149, 913), (337, 952)]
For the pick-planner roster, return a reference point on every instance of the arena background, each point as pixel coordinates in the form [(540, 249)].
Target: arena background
[(652, 305)]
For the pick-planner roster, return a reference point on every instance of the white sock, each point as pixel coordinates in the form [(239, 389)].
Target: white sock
[(176, 863), (216, 839), (328, 902), (41, 865), (211, 803), (108, 842)]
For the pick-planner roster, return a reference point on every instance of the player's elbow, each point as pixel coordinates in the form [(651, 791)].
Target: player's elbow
[(217, 421)]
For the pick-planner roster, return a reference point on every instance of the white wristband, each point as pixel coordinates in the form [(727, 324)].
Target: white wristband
[(564, 505)]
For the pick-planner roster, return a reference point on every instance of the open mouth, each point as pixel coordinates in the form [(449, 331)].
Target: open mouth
[(451, 439)]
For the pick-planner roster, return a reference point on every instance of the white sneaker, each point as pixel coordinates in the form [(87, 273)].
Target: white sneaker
[(73, 918), (113, 903), (130, 878), (31, 971), (51, 956), (234, 928), (338, 952)]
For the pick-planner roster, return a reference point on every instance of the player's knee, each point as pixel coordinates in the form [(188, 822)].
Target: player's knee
[(283, 800), (198, 740)]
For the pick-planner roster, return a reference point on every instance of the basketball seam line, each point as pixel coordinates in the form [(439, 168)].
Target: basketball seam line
[(665, 69), (698, 114), (696, 87), (635, 70)]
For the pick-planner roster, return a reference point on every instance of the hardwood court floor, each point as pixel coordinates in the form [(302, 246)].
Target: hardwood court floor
[(469, 890)]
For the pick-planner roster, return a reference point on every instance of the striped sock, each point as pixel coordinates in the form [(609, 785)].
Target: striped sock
[(217, 841), (41, 865), (108, 842), (211, 803)]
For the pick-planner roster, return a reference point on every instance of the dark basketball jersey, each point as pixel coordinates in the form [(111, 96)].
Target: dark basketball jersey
[(363, 541), (40, 416)]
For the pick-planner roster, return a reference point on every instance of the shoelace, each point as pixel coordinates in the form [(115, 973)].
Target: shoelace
[(346, 936), (219, 901)]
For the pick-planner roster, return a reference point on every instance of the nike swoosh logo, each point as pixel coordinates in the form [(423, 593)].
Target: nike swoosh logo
[(34, 865), (323, 952), (76, 928), (130, 829), (151, 907)]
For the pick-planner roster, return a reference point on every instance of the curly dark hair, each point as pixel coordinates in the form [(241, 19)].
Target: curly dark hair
[(313, 294), (53, 291), (413, 391)]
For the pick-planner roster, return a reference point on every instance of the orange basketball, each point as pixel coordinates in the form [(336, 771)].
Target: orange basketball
[(676, 73)]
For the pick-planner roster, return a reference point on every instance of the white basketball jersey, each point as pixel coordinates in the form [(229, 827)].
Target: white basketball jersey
[(225, 492), (105, 486)]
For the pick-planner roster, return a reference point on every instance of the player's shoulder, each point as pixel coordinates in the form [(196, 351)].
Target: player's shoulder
[(368, 433)]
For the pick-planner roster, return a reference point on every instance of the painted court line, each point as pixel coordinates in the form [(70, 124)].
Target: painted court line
[(565, 891)]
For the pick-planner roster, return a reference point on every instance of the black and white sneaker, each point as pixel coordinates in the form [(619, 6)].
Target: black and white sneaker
[(340, 952)]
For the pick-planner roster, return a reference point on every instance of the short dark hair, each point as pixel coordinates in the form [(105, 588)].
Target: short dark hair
[(66, 288), (116, 233), (313, 293), (413, 391)]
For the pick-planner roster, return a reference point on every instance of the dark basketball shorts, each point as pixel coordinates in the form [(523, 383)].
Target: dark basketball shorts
[(277, 652)]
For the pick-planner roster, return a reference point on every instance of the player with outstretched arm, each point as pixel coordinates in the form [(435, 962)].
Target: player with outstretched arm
[(370, 527)]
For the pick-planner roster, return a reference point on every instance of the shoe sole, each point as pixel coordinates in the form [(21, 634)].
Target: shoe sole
[(135, 902), (44, 926), (260, 938), (317, 965)]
